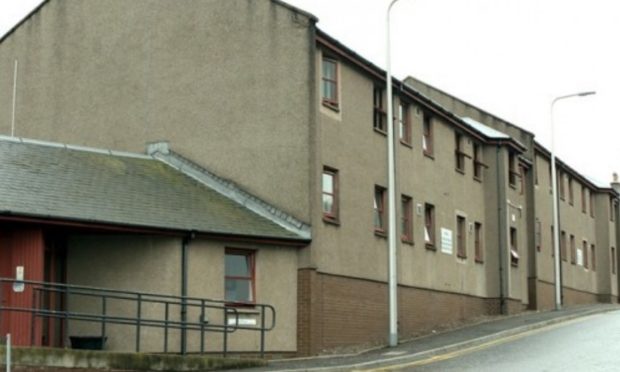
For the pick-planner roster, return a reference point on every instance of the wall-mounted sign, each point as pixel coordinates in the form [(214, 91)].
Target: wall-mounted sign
[(579, 257), (18, 285)]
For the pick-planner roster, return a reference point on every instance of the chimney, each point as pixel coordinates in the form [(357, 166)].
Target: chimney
[(615, 184)]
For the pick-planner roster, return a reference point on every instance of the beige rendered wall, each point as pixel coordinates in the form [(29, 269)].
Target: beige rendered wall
[(153, 264), (573, 221), (349, 143), (225, 81)]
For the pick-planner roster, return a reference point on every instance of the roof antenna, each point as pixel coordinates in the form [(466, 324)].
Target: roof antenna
[(14, 98)]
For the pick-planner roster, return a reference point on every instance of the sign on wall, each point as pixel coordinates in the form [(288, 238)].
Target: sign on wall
[(446, 241), (579, 257)]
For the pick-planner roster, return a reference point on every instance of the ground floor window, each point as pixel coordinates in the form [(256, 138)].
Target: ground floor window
[(240, 277)]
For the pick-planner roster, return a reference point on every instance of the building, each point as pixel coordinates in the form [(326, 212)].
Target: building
[(255, 93)]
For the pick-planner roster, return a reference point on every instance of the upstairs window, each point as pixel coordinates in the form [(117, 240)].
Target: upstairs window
[(573, 249), (561, 185), (514, 247), (404, 123), (613, 208), (478, 163), (330, 194), (459, 159), (240, 276), (512, 170), (406, 227), (593, 256), (563, 245), (379, 210), (584, 251), (571, 194), (591, 204), (380, 118), (429, 226), (479, 253), (427, 135), (461, 237), (583, 199), (329, 80)]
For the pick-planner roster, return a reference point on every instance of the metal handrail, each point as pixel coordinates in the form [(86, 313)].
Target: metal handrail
[(230, 312)]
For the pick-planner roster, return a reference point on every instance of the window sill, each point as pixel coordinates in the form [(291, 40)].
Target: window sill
[(381, 234), (243, 307), (461, 256), (380, 131), (429, 155), (513, 186), (430, 246), (406, 144), (514, 264), (461, 171), (479, 261), (478, 179), (331, 221), (331, 106), (407, 241)]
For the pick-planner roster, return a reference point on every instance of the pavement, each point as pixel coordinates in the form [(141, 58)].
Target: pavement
[(440, 343)]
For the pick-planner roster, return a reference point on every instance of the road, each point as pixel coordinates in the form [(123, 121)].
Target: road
[(586, 344)]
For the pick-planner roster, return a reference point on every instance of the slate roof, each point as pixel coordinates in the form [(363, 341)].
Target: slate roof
[(59, 182)]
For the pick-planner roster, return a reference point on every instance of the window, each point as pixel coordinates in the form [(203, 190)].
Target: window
[(380, 117), (561, 185), (478, 164), (404, 123), (514, 248), (573, 249), (522, 179), (239, 276), (593, 257), (613, 260), (479, 254), (461, 237), (591, 204), (585, 254), (571, 194), (613, 208), (538, 233), (563, 245), (429, 225), (536, 171), (552, 241), (379, 210), (512, 170), (459, 155), (329, 80), (427, 136), (583, 198), (330, 194), (406, 226)]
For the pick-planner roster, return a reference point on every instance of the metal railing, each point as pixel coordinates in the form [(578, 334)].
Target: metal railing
[(55, 301)]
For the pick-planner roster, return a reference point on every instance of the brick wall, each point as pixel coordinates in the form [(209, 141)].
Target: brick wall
[(339, 312), (545, 296)]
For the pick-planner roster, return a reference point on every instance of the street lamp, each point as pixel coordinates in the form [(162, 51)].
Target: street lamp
[(554, 188), (392, 274)]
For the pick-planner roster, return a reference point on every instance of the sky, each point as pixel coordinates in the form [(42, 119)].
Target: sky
[(508, 57)]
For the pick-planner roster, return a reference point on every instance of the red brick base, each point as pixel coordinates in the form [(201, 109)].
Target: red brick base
[(337, 312)]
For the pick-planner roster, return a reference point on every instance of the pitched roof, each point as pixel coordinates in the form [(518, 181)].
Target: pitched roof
[(70, 183)]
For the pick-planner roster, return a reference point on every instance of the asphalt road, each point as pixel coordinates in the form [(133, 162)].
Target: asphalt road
[(586, 344)]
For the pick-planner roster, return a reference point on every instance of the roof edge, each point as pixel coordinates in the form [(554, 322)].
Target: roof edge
[(161, 151), (23, 20), (297, 10)]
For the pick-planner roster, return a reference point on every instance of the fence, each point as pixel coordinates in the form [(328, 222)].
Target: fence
[(49, 306)]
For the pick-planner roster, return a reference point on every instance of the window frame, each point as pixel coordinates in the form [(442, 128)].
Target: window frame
[(584, 254), (404, 121), (512, 172), (479, 164), (461, 236), (379, 209), (459, 155), (593, 257), (330, 102), (591, 204), (429, 226), (427, 135), (406, 218), (563, 252), (478, 243), (583, 199), (379, 119), (571, 194), (573, 249), (251, 255), (514, 247), (334, 216)]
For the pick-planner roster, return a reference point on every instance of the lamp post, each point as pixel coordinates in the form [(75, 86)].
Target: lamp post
[(554, 188), (392, 258)]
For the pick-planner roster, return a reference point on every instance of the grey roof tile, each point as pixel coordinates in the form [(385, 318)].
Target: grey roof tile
[(68, 183)]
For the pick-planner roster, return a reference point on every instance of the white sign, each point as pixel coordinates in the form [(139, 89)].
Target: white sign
[(579, 257), (242, 321), (446, 241), (18, 285)]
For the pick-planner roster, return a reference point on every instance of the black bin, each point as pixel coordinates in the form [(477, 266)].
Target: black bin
[(87, 342)]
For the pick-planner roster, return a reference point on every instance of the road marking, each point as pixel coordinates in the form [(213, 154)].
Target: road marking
[(394, 353), (469, 350)]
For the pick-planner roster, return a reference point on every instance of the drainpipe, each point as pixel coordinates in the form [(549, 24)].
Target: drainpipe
[(501, 226), (184, 260)]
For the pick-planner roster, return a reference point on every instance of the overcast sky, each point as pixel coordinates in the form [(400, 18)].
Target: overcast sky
[(509, 57)]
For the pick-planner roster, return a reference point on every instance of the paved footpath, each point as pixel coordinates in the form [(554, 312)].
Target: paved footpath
[(438, 344)]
